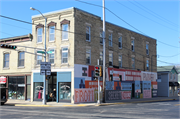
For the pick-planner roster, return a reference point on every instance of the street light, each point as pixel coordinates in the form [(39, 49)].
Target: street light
[(44, 92)]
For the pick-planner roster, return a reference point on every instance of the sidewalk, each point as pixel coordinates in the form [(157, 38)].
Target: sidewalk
[(64, 104)]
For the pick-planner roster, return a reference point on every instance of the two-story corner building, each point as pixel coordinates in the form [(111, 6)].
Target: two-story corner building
[(168, 84), (15, 65), (75, 39)]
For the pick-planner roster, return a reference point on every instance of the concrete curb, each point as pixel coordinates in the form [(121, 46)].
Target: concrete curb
[(135, 102), (86, 105)]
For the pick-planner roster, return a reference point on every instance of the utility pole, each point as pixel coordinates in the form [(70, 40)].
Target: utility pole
[(104, 52)]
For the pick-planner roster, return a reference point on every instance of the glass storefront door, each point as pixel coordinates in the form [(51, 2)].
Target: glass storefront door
[(64, 91)]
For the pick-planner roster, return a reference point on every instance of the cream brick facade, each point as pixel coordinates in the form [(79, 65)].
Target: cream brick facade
[(14, 69)]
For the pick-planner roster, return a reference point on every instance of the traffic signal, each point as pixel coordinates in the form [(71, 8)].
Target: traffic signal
[(8, 46), (100, 71), (96, 71)]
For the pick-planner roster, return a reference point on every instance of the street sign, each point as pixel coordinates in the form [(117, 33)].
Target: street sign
[(41, 52), (50, 52), (45, 68)]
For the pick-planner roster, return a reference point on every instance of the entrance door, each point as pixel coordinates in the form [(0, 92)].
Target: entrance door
[(133, 90), (52, 87)]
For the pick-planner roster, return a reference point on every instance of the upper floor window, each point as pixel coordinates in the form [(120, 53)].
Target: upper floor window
[(132, 45), (88, 33), (133, 63), (110, 59), (101, 37), (147, 65), (51, 33), (6, 60), (51, 56), (101, 58), (120, 61), (120, 42), (110, 39), (21, 59), (38, 58), (147, 48), (39, 35), (65, 31), (88, 56), (65, 55)]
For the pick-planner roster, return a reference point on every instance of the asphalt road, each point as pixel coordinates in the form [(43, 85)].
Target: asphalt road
[(155, 110)]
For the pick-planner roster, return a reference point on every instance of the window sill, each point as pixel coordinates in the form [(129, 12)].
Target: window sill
[(120, 48), (101, 43), (52, 41), (65, 64), (39, 43), (88, 40), (65, 39), (6, 68), (21, 67)]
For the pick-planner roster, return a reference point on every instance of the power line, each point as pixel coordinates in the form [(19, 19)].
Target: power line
[(145, 16), (152, 13), (170, 56), (123, 21)]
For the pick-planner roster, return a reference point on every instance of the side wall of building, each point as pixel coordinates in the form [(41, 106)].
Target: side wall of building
[(83, 19)]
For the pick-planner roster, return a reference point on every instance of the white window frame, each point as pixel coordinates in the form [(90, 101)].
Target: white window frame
[(120, 59), (39, 54), (39, 35), (65, 32), (110, 39), (88, 51), (110, 57), (147, 48), (132, 45), (6, 60), (51, 54), (147, 65), (89, 32), (120, 41), (51, 28), (67, 51), (21, 59)]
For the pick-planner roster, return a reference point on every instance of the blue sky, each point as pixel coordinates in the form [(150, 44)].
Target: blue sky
[(158, 19)]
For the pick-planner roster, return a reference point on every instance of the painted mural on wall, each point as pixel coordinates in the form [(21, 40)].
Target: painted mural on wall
[(148, 76), (126, 86), (79, 82), (117, 74), (109, 85), (146, 85), (112, 95), (126, 95), (83, 95), (137, 89), (117, 85)]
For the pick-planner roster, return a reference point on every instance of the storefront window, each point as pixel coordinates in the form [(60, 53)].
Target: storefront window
[(38, 90), (65, 91), (16, 87)]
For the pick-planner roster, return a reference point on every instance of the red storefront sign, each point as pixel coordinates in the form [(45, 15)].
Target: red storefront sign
[(126, 95), (130, 75), (2, 80)]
